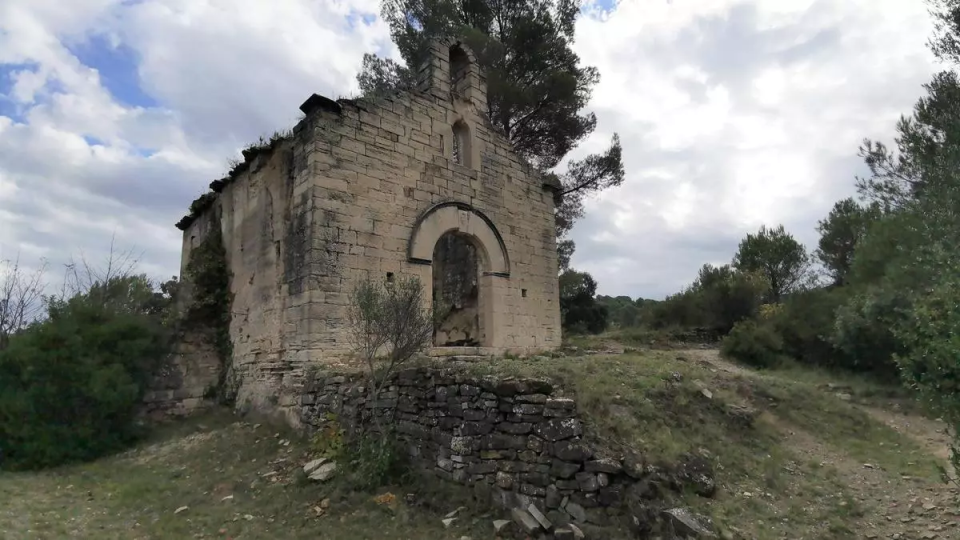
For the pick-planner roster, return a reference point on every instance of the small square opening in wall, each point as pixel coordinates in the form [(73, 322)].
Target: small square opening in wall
[(389, 277), (523, 293), (408, 192)]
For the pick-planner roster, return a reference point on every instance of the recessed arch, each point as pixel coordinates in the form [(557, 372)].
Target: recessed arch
[(460, 217)]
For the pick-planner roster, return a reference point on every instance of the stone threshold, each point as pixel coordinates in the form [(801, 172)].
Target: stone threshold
[(463, 353)]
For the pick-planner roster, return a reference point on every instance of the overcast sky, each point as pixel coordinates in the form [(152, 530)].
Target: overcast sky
[(115, 114)]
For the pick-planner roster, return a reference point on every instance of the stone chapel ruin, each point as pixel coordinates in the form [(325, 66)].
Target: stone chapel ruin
[(415, 183)]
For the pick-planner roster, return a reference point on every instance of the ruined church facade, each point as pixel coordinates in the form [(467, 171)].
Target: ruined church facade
[(417, 183)]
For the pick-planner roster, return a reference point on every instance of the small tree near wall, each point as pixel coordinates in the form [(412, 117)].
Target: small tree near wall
[(389, 325)]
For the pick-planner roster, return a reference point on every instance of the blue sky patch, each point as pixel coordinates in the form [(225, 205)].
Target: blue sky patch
[(93, 141), (598, 7), (117, 67), (7, 107), (358, 18)]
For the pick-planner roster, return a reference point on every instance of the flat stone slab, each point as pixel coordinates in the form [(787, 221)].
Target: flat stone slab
[(313, 465), (323, 472), (526, 522)]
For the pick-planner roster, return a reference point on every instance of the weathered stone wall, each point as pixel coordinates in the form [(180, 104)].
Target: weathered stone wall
[(517, 440), (265, 227), (184, 381), (365, 189)]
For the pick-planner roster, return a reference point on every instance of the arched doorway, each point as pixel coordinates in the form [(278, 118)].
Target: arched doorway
[(456, 292), (468, 258)]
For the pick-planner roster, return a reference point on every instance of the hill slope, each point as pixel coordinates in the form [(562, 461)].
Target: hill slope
[(795, 455)]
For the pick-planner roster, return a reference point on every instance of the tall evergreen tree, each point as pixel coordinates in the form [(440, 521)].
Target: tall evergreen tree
[(905, 306), (840, 232), (537, 89)]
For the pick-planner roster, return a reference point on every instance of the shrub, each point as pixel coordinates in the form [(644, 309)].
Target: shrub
[(329, 441), (70, 386), (930, 363), (754, 343), (864, 328), (377, 460), (388, 326), (806, 323), (719, 298)]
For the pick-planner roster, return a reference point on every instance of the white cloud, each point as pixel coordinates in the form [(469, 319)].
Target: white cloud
[(732, 113), (735, 114), (77, 165)]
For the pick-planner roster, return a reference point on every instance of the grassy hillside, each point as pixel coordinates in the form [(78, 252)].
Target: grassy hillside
[(796, 455)]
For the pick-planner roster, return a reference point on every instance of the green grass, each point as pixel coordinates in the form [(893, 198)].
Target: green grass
[(197, 465), (843, 426)]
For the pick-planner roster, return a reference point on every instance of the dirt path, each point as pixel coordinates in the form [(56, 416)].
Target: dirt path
[(930, 434), (893, 506)]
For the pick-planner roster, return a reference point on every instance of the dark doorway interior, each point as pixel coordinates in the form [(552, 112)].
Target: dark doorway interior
[(456, 298)]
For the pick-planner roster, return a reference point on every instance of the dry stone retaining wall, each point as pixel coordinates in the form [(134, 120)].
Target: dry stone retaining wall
[(518, 441)]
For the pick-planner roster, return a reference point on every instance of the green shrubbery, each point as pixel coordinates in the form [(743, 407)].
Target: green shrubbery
[(580, 311), (377, 459), (755, 343), (70, 384), (806, 323)]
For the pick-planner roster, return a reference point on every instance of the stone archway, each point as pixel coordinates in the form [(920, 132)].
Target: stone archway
[(467, 254)]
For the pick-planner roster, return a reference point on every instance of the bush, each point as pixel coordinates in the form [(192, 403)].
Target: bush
[(719, 298), (377, 460), (70, 385), (930, 363), (806, 323), (864, 329), (754, 343)]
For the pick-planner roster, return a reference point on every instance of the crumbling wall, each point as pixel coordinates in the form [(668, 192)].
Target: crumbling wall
[(265, 214), (185, 382), (518, 442)]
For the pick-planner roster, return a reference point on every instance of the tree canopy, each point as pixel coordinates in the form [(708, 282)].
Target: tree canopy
[(537, 87), (774, 253), (579, 309), (840, 232)]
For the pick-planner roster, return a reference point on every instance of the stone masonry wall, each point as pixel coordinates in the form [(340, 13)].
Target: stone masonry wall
[(517, 441), (342, 199), (264, 228), (182, 384)]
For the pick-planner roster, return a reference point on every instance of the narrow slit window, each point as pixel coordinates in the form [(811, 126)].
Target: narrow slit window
[(457, 151), (461, 144)]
